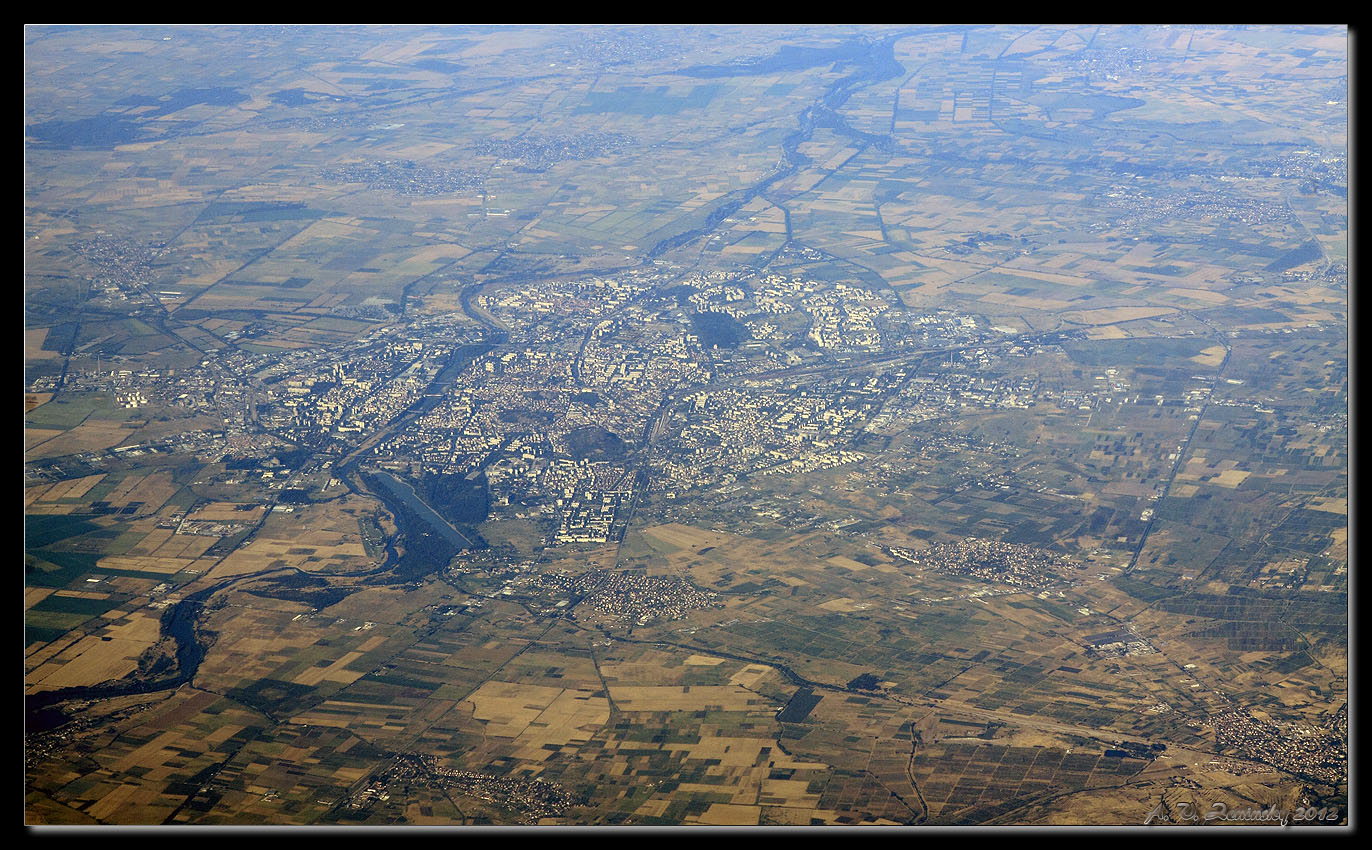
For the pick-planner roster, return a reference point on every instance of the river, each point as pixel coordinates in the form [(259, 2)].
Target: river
[(875, 62)]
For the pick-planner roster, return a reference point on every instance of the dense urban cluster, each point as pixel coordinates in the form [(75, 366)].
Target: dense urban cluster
[(1117, 63), (1316, 169), (1319, 752), (626, 597), (125, 268), (1141, 208), (529, 799), (406, 177), (733, 432), (455, 406), (620, 47), (635, 597), (540, 152), (1015, 564), (604, 377)]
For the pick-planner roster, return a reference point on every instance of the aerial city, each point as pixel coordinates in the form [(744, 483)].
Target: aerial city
[(916, 426)]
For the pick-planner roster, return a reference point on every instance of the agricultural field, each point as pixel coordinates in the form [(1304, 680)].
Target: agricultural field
[(913, 427)]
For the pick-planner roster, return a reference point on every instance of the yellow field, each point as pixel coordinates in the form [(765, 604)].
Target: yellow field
[(729, 751), (163, 745), (535, 715), (685, 698), (35, 436), (1049, 277), (263, 640), (1230, 478), (259, 554), (82, 594), (843, 605), (150, 541), (355, 716), (152, 490), (195, 284), (141, 192), (284, 344), (1200, 295), (92, 659), (750, 676), (1334, 506), (847, 563), (150, 564), (34, 595), (1023, 301), (33, 400), (326, 301), (744, 249), (438, 254), (240, 298), (1304, 297), (507, 708), (33, 346), (730, 814), (424, 151), (226, 512), (73, 489), (653, 807), (1212, 356), (335, 672), (1107, 332), (1111, 315), (36, 494), (130, 801), (398, 52), (185, 546), (686, 537), (638, 671), (769, 220), (51, 508), (789, 792)]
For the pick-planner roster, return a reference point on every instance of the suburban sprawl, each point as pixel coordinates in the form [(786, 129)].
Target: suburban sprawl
[(916, 426)]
